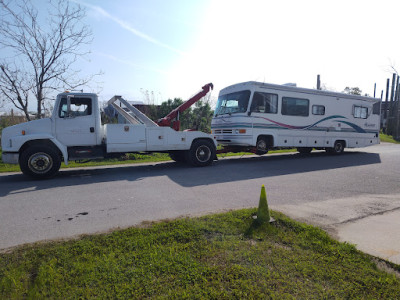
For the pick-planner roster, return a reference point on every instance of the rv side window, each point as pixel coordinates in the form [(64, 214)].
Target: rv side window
[(318, 110), (264, 103), (360, 112), (295, 107)]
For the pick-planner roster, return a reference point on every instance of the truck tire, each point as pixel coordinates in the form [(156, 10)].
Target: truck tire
[(178, 156), (201, 153), (40, 162)]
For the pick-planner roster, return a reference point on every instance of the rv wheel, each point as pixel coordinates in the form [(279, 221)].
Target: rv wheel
[(337, 149), (261, 147)]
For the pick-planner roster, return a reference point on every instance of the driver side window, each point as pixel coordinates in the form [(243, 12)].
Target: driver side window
[(264, 103), (78, 107)]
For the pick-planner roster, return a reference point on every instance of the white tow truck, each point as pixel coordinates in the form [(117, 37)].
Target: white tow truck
[(75, 132)]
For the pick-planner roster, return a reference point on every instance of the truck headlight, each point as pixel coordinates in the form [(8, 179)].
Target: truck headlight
[(237, 131)]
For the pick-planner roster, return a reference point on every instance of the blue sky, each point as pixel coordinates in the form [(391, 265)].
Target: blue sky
[(173, 47), (140, 44)]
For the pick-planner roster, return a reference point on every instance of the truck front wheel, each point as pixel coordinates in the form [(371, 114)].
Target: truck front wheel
[(201, 153), (40, 162)]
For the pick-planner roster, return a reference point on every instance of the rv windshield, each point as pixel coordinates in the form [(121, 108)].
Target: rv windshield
[(232, 103)]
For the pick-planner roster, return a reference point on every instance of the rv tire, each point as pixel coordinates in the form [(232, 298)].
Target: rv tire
[(261, 146), (337, 149)]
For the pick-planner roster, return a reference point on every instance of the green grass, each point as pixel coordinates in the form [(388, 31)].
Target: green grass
[(388, 139), (219, 256)]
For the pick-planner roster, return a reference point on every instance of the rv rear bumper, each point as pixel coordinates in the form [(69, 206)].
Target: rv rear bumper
[(10, 157)]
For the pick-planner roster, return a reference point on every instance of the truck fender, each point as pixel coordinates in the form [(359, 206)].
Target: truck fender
[(206, 136), (20, 140)]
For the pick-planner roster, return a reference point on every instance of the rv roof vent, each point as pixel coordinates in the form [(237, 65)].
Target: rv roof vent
[(290, 84)]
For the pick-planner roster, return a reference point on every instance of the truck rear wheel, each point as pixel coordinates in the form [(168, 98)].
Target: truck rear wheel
[(40, 161), (201, 153)]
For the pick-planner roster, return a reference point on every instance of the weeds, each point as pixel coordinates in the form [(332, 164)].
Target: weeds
[(207, 257)]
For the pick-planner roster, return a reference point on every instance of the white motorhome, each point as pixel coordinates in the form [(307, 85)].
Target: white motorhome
[(256, 117)]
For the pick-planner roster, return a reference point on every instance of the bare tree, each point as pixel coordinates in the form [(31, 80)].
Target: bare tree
[(40, 49)]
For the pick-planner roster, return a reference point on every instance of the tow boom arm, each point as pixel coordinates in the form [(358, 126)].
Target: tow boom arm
[(168, 119)]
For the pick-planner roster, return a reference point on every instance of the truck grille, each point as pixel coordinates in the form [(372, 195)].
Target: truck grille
[(220, 131)]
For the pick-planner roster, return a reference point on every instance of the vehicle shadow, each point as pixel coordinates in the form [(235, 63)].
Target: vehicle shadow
[(224, 170)]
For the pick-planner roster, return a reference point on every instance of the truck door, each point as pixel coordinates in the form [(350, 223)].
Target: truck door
[(76, 121)]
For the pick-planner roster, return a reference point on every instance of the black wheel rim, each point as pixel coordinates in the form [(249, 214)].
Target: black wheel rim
[(40, 162), (338, 147), (203, 153), (261, 145)]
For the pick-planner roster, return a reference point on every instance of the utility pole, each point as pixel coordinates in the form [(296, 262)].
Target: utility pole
[(398, 121), (382, 119), (396, 116), (390, 123), (385, 111), (318, 82)]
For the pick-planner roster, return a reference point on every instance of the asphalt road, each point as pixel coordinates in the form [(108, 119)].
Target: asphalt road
[(94, 200)]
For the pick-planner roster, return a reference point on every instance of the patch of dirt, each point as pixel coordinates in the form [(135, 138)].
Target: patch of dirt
[(386, 267)]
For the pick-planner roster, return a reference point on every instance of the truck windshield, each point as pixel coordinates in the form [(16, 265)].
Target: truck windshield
[(232, 103)]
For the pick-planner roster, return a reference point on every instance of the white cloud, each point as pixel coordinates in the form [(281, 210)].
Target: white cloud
[(292, 41), (125, 25)]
